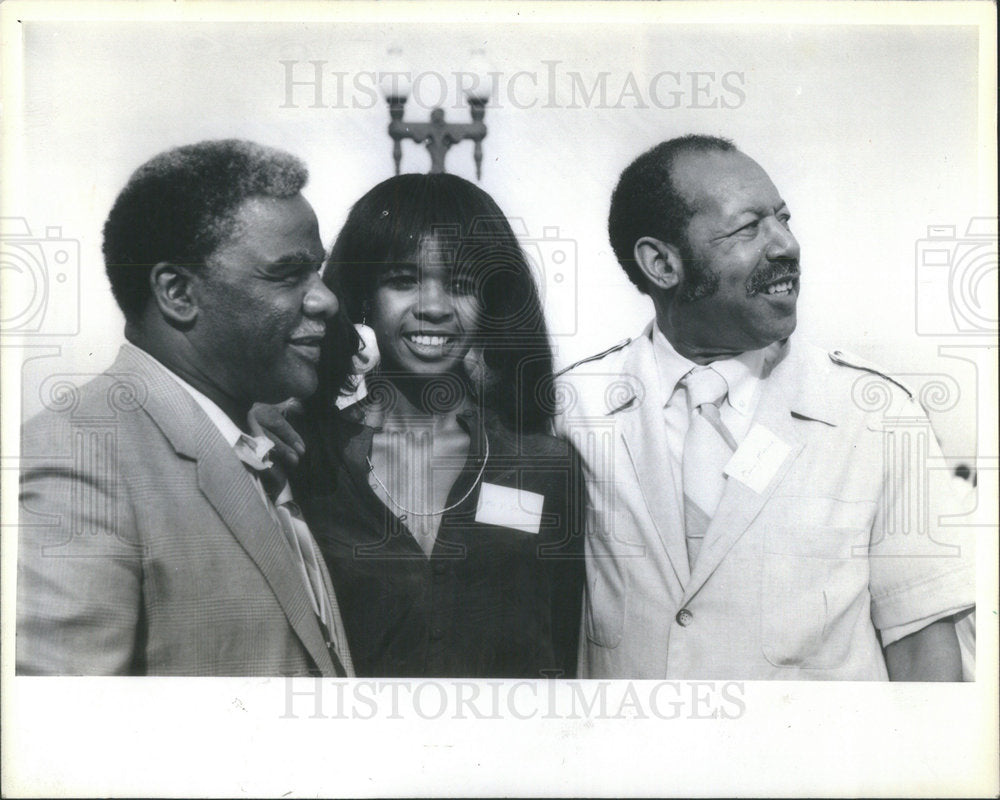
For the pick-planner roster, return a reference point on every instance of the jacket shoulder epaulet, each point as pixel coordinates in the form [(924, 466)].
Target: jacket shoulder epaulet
[(595, 357), (845, 360)]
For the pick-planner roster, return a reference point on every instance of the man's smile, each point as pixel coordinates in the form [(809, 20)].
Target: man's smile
[(775, 280), (307, 345), (783, 287)]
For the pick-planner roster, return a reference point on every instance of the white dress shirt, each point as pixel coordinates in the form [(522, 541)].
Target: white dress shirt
[(743, 375)]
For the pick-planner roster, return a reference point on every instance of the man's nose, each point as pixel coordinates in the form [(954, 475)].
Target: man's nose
[(319, 301), (781, 243)]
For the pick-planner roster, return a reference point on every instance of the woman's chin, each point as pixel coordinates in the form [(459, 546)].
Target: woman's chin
[(418, 368)]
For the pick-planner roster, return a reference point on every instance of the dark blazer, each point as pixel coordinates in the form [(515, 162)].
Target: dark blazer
[(490, 600), (145, 546)]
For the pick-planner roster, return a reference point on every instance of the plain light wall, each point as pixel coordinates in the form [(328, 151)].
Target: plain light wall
[(870, 133)]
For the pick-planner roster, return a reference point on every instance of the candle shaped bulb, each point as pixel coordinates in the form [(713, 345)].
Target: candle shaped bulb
[(394, 80), (480, 82)]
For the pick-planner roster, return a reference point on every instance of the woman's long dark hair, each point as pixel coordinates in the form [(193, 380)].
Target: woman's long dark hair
[(387, 225)]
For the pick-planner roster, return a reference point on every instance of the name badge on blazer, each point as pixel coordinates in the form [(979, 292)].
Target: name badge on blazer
[(510, 508), (757, 459)]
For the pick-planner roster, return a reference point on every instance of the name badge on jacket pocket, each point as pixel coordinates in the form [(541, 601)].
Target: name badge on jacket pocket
[(510, 508), (757, 459)]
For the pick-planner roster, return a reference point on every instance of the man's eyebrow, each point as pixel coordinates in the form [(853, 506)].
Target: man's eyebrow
[(299, 257), (758, 210)]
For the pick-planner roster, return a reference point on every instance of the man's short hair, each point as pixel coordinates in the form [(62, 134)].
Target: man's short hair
[(646, 202), (180, 206)]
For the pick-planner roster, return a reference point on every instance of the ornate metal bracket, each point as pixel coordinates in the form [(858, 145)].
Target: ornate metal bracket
[(437, 135)]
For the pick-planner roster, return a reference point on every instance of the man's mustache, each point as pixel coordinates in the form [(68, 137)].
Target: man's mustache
[(762, 277)]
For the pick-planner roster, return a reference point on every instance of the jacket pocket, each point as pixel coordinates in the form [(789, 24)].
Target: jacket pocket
[(814, 584), (605, 609)]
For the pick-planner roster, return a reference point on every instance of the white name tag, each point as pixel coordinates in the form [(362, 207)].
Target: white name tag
[(757, 459), (510, 508)]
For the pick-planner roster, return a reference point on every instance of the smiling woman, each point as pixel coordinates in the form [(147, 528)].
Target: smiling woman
[(450, 520)]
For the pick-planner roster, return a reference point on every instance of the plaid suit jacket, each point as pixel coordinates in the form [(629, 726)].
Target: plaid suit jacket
[(145, 547)]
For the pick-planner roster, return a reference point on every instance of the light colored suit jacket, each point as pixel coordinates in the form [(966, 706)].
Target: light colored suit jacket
[(146, 548), (798, 580)]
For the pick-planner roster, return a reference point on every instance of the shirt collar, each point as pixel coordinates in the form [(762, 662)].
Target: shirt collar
[(229, 430), (743, 373), (474, 419), (671, 366)]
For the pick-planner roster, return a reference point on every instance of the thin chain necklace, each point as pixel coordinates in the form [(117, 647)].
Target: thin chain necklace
[(407, 511)]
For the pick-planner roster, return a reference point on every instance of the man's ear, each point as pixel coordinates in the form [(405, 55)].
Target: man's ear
[(172, 292), (660, 262)]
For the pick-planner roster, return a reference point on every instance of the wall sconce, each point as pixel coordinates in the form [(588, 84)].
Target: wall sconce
[(437, 135)]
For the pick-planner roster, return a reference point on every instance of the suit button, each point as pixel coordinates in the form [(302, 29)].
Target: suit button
[(436, 633), (684, 617), (440, 569)]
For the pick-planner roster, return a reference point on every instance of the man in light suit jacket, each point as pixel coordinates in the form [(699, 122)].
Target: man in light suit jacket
[(154, 540), (787, 526)]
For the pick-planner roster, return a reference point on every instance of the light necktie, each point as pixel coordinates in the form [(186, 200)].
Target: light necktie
[(708, 446), (253, 451)]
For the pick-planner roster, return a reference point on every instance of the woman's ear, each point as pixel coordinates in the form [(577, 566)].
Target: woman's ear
[(172, 291), (660, 262)]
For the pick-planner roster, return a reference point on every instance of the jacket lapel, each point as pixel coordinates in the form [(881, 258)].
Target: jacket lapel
[(640, 421), (789, 391), (228, 486)]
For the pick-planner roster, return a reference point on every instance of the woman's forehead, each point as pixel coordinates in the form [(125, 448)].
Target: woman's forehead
[(431, 249), (438, 248)]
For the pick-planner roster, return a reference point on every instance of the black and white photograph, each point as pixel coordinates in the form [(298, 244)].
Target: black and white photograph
[(499, 399)]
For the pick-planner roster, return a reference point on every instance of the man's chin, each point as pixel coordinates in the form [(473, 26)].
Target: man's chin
[(302, 388), (779, 333)]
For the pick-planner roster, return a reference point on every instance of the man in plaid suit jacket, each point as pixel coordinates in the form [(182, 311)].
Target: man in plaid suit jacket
[(146, 545)]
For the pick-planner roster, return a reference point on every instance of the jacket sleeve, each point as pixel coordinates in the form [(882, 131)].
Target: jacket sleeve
[(922, 558), (79, 581)]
